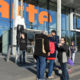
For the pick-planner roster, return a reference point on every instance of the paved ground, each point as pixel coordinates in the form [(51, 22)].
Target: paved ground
[(76, 69), (11, 71)]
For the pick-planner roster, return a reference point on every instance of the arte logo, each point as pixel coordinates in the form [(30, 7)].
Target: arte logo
[(30, 9)]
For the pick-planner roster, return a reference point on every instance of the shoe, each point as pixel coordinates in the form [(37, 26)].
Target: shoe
[(50, 77), (70, 71)]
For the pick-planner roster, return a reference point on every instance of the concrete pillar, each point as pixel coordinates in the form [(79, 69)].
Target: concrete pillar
[(15, 14), (59, 18), (71, 19)]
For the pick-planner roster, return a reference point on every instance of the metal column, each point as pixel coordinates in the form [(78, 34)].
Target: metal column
[(71, 19), (15, 14), (59, 18)]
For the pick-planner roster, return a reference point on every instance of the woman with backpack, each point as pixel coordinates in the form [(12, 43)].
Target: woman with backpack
[(51, 57)]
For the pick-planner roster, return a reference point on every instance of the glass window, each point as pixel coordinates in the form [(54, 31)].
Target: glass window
[(68, 38), (74, 22), (53, 24), (44, 18), (65, 22), (53, 12), (78, 22), (63, 33)]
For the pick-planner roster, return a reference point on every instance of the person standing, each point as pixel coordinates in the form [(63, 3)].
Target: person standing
[(55, 38), (51, 57), (73, 50), (22, 47), (63, 54), (41, 52), (56, 41)]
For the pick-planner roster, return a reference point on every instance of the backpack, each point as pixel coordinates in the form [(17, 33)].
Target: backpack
[(40, 45)]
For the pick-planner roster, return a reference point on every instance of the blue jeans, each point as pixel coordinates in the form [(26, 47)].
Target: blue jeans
[(65, 75), (50, 69), (22, 56), (41, 67)]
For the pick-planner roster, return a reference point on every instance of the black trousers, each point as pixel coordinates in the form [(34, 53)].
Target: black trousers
[(65, 75)]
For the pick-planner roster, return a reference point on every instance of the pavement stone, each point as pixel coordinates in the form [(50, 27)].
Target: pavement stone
[(11, 71)]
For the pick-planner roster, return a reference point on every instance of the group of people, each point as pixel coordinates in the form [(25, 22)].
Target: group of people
[(48, 48)]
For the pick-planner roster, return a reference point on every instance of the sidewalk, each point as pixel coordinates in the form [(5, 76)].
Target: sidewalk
[(10, 71)]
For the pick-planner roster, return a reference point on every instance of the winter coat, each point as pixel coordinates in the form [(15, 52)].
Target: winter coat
[(41, 45), (23, 44), (63, 48)]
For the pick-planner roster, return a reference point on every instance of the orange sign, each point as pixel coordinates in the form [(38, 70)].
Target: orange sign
[(4, 10)]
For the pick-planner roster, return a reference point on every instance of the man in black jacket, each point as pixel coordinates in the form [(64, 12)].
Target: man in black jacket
[(41, 52), (22, 47)]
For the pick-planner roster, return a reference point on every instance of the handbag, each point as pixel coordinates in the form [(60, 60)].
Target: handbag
[(70, 62), (64, 57)]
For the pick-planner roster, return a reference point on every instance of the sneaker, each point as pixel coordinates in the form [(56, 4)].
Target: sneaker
[(50, 77)]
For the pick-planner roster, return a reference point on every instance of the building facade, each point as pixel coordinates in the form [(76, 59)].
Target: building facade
[(45, 15)]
